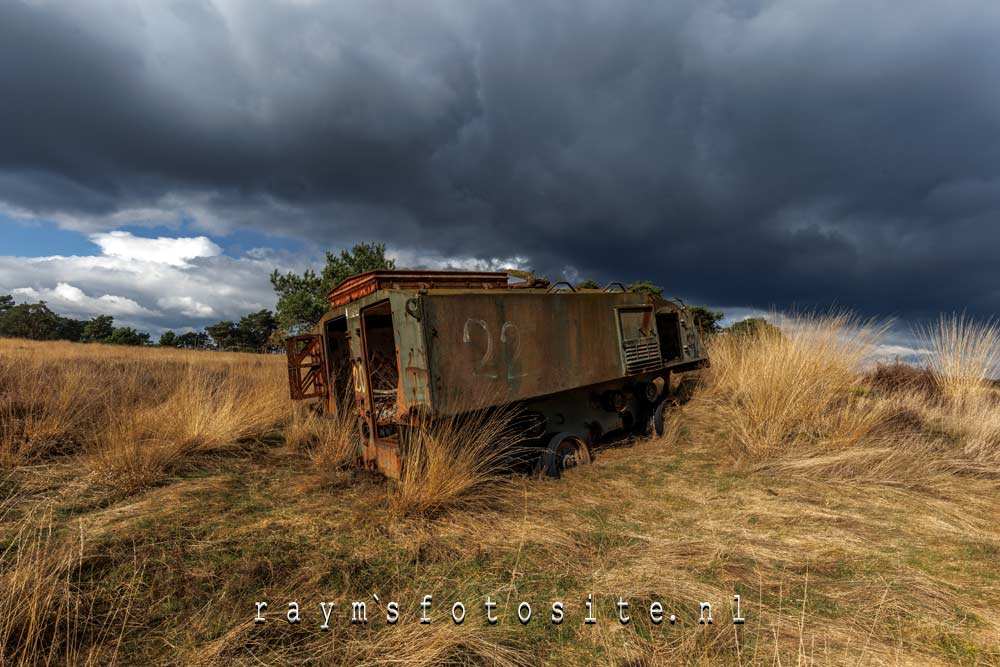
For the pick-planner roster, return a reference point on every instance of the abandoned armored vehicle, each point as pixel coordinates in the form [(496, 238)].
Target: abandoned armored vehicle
[(407, 346)]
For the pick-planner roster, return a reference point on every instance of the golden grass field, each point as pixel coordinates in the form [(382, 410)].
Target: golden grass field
[(149, 497)]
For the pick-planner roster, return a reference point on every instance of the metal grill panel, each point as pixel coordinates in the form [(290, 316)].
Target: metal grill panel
[(306, 367), (642, 354)]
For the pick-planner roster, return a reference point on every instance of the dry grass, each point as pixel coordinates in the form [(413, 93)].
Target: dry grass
[(965, 359), (789, 386), (965, 356), (805, 398), (41, 411), (49, 612), (855, 515), (902, 378), (132, 413), (329, 441), (456, 462), (978, 427)]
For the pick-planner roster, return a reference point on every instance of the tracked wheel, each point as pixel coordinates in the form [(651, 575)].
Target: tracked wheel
[(564, 451)]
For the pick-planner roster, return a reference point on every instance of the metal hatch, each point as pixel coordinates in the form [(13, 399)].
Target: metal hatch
[(640, 344)]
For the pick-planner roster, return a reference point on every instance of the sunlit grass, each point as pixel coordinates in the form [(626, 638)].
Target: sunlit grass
[(855, 514)]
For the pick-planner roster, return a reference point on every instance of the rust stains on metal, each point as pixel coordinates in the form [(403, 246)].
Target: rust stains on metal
[(363, 284), (423, 345), (306, 367), (519, 345)]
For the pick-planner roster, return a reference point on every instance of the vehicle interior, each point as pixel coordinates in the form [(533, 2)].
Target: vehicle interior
[(383, 371), (338, 356), (668, 327)]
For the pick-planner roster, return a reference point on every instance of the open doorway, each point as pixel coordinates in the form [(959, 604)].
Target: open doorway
[(668, 327), (338, 360), (383, 369)]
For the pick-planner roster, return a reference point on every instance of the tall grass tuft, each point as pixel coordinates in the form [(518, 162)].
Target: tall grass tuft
[(457, 461), (330, 441), (804, 397), (965, 362), (965, 356), (209, 408), (128, 453), (790, 386), (45, 408), (216, 408)]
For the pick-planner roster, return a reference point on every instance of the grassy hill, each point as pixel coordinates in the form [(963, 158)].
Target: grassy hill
[(151, 497)]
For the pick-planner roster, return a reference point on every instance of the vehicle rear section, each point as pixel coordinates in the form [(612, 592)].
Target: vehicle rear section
[(581, 367)]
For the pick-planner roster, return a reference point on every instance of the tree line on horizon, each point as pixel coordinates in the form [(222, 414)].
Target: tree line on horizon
[(301, 304), (254, 332), (36, 321)]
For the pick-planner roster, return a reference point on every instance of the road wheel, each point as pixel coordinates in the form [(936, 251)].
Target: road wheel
[(564, 451), (656, 421)]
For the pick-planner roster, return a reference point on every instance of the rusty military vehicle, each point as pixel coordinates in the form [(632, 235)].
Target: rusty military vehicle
[(582, 365)]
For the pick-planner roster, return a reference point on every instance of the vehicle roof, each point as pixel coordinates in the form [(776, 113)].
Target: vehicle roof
[(362, 284)]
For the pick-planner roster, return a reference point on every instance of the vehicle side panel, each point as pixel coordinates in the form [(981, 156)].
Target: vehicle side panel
[(495, 347)]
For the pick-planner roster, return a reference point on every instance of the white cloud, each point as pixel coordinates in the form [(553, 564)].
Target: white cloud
[(734, 314), (414, 260), (68, 299), (176, 282), (162, 250), (185, 305), (911, 355), (149, 283)]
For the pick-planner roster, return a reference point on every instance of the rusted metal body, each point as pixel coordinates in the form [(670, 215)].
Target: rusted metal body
[(411, 345), (307, 373)]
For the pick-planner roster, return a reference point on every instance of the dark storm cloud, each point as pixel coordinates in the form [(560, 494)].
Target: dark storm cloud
[(755, 153)]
